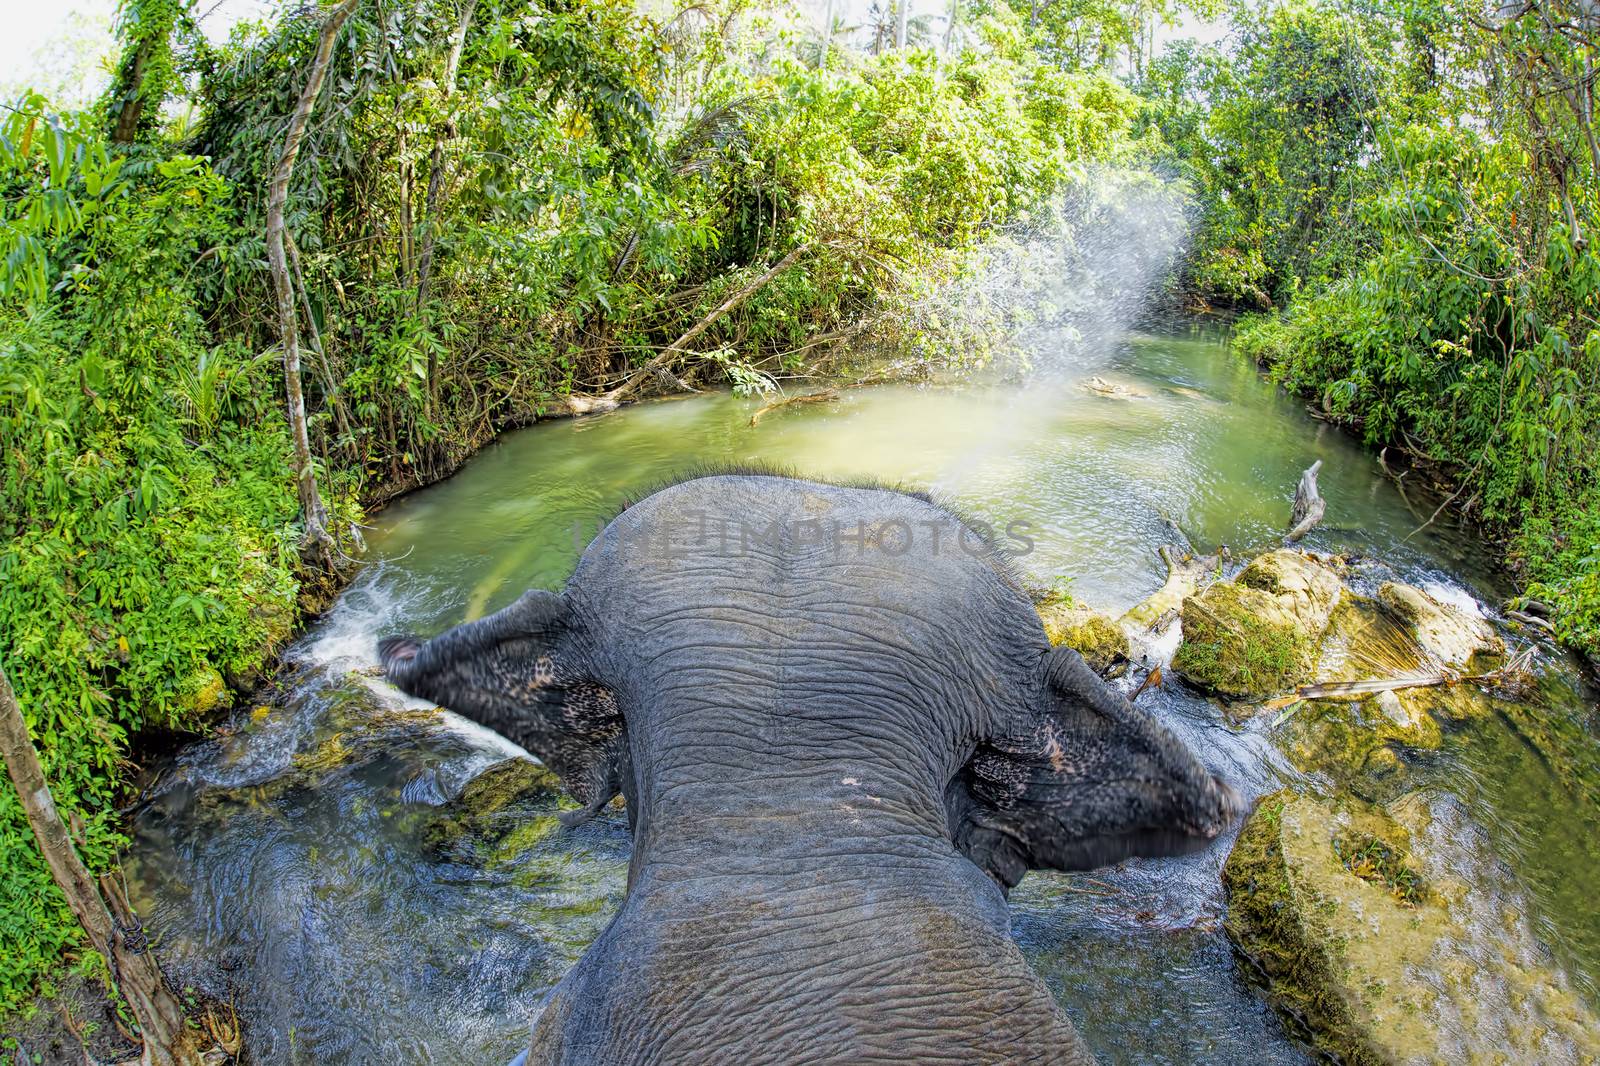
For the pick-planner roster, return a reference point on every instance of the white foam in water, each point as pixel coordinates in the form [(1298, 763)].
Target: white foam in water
[(1455, 596)]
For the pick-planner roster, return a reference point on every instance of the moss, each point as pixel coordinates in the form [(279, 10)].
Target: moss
[(204, 691), (326, 756), (1229, 647), (1101, 642), (1369, 961), (505, 800), (1359, 743), (1380, 861)]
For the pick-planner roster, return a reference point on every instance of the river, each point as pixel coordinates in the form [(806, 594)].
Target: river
[(295, 863)]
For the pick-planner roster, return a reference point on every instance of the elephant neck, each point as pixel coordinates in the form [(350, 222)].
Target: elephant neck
[(789, 820)]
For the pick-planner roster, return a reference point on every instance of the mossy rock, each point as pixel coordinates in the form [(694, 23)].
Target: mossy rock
[(1363, 955), (203, 692), (1101, 642), (1256, 636), (1360, 743), (496, 804)]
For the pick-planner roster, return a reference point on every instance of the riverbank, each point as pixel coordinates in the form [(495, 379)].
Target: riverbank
[(1536, 501)]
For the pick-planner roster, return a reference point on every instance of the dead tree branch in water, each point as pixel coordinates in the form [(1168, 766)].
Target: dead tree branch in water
[(1309, 506), (582, 405), (825, 396)]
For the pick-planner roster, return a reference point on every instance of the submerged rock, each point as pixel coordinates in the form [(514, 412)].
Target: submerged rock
[(496, 804), (1360, 743), (1377, 962), (1256, 635)]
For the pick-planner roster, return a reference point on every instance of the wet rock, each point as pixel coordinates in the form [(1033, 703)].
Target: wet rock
[(1445, 631), (1363, 743), (204, 691), (496, 804), (1375, 958), (1101, 642), (1257, 635)]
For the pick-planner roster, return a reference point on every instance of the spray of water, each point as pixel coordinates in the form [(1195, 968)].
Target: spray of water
[(1051, 300), (1054, 295)]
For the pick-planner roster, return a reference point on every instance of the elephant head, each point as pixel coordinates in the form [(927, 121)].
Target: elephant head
[(841, 736)]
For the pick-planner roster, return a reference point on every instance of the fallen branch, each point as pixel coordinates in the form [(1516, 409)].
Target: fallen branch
[(1309, 506), (825, 396), (1333, 689), (606, 401)]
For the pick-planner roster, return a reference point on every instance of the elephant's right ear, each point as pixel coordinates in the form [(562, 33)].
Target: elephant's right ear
[(514, 672), (1080, 780)]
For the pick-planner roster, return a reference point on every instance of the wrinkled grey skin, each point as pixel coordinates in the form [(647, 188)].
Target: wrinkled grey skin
[(836, 757)]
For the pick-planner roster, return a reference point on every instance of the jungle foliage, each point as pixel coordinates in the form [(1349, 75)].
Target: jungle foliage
[(1417, 185), (497, 204), (502, 203)]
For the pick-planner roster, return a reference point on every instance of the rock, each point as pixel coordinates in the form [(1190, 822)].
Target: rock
[(1097, 638), (1360, 743), (1369, 956), (508, 797), (1446, 632), (204, 691), (1257, 635)]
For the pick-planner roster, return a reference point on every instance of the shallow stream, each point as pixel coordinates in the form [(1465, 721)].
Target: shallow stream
[(303, 863)]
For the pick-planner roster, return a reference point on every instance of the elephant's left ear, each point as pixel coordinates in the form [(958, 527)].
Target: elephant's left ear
[(1084, 780), (519, 672)]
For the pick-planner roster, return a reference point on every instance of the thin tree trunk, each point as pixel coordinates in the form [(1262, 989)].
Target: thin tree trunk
[(119, 939), (128, 115), (827, 32), (903, 10), (311, 506), (430, 207), (950, 26), (436, 163)]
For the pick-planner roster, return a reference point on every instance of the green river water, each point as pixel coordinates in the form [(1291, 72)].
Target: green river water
[(296, 865)]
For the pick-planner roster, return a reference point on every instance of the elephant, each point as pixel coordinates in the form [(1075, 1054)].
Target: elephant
[(841, 737)]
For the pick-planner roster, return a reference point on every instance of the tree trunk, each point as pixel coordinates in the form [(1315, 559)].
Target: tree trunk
[(827, 32), (950, 26), (128, 115), (311, 506), (430, 205), (113, 932), (903, 9)]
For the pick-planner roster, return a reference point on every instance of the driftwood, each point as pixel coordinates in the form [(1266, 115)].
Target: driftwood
[(1115, 390), (825, 396), (1309, 506), (1186, 572), (1333, 689)]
